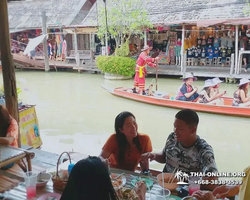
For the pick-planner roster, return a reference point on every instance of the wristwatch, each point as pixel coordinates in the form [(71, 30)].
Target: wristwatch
[(146, 172)]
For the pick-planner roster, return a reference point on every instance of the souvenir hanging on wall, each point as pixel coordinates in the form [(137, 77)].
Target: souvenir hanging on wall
[(248, 33)]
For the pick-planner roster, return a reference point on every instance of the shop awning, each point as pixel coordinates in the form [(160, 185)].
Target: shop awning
[(239, 21), (33, 43)]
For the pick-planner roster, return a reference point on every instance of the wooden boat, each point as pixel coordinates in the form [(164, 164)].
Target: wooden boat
[(158, 100)]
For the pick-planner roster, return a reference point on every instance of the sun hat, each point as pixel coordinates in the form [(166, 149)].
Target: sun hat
[(146, 47), (188, 75), (243, 81), (217, 80), (209, 83)]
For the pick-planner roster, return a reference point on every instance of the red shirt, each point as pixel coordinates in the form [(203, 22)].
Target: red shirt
[(144, 59), (132, 155)]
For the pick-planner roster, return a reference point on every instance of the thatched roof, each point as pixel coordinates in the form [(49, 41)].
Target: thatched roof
[(167, 12), (27, 14)]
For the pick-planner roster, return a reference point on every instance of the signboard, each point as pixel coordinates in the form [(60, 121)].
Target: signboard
[(29, 128)]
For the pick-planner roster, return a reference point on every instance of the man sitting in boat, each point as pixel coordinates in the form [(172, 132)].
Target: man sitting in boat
[(240, 95), (187, 92), (208, 95), (184, 149), (140, 70)]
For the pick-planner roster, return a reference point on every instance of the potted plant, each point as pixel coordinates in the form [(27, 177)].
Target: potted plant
[(116, 67)]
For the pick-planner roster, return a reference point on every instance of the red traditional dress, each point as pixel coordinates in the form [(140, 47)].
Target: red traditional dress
[(140, 70)]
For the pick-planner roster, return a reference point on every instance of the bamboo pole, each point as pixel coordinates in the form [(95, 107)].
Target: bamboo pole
[(9, 78)]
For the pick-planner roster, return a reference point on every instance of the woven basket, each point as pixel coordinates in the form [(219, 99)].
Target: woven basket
[(59, 183)]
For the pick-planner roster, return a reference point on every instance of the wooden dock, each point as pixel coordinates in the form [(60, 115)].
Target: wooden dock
[(23, 62)]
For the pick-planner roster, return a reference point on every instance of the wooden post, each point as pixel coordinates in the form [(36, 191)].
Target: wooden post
[(45, 45), (145, 38), (76, 51), (236, 49), (9, 78)]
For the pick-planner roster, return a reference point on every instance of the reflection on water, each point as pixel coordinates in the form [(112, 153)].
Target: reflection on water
[(74, 112)]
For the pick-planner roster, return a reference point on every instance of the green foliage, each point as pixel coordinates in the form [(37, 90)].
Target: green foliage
[(116, 65), (123, 50), (124, 18)]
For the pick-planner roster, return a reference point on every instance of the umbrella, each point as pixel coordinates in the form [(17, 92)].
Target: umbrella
[(33, 43)]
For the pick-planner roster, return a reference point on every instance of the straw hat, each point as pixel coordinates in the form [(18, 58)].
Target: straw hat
[(209, 83), (188, 75), (217, 80), (146, 47), (243, 81)]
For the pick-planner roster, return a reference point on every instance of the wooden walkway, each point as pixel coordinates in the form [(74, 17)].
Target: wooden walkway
[(199, 71), (22, 62)]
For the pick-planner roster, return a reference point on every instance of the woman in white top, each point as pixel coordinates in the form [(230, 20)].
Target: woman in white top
[(206, 95), (215, 90), (240, 95)]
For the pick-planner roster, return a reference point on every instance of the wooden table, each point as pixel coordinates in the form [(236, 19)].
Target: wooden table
[(9, 154), (19, 192)]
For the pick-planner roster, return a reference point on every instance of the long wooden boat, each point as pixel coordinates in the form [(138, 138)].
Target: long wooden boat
[(226, 109)]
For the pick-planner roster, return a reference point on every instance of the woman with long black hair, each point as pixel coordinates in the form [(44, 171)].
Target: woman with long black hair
[(124, 148), (89, 179)]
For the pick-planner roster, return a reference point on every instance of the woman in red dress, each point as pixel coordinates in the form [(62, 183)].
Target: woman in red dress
[(140, 70)]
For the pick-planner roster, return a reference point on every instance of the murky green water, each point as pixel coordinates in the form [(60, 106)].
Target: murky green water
[(76, 113)]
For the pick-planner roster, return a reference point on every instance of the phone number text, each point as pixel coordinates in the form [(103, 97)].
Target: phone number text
[(219, 182)]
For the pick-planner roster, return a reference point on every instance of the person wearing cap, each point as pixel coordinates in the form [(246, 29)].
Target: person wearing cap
[(187, 92), (140, 70), (206, 96), (240, 95)]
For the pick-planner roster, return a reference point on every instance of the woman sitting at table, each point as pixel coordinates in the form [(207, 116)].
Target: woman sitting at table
[(240, 95), (207, 96), (90, 180), (187, 92), (124, 148), (8, 128)]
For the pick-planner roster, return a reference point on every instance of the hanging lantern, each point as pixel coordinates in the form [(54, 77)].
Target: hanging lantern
[(232, 27)]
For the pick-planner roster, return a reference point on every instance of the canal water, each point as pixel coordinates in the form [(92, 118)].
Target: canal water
[(76, 113)]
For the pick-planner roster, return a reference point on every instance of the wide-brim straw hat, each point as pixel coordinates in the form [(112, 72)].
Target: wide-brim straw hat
[(243, 81), (209, 83), (188, 75), (146, 48), (217, 80)]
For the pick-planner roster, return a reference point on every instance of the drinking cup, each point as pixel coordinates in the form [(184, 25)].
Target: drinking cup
[(30, 182), (193, 184)]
